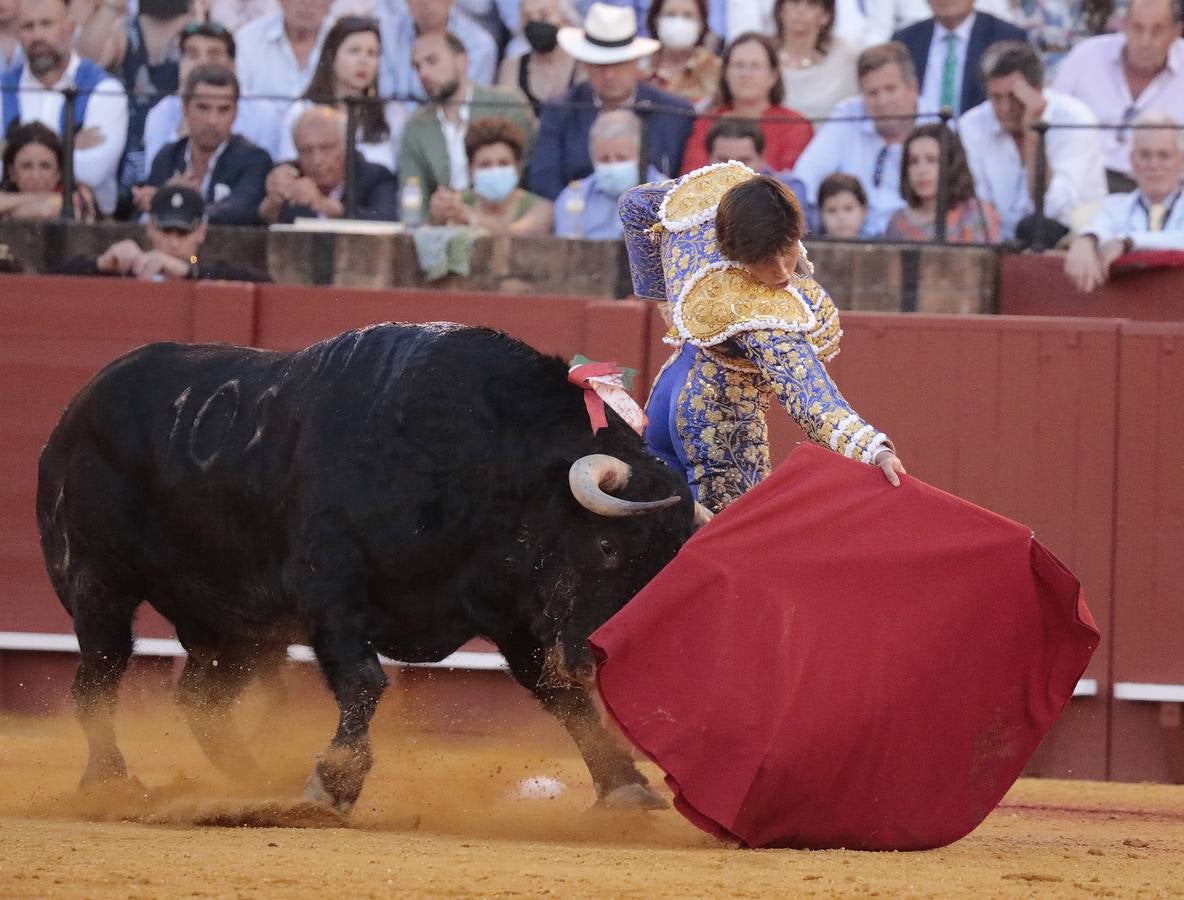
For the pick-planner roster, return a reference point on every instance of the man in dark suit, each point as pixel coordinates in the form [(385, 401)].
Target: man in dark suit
[(227, 170), (947, 49), (611, 51), (313, 187)]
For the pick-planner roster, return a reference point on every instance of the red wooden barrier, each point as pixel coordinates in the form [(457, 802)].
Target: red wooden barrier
[(1021, 415), (1148, 642), (1033, 285)]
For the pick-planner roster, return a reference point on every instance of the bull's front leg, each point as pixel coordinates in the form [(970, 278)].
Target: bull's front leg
[(332, 598), (618, 782)]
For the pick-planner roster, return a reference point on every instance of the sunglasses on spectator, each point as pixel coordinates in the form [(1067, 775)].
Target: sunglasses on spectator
[(207, 29)]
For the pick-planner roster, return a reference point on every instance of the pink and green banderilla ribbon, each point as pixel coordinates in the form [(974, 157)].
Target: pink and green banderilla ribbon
[(606, 382)]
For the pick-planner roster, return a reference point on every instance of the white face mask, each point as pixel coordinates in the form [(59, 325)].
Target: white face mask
[(678, 32)]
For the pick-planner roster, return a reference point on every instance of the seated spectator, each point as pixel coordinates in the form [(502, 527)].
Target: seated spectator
[(868, 148), (314, 186), (947, 50), (433, 143), (32, 186), (587, 208), (817, 67), (1120, 76), (610, 49), (1001, 146), (281, 51), (202, 44), (348, 67), (401, 28), (176, 229), (750, 88), (495, 202), (887, 17), (682, 64), (543, 71), (234, 14), (1151, 217), (738, 139), (842, 206), (226, 169), (10, 43), (143, 50), (968, 219), (1054, 27), (31, 92)]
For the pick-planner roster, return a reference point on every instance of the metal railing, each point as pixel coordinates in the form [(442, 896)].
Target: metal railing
[(644, 109)]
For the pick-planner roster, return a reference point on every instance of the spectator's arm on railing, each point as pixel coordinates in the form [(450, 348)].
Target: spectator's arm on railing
[(106, 112)]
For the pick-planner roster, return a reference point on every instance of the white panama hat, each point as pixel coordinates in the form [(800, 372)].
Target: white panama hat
[(609, 36)]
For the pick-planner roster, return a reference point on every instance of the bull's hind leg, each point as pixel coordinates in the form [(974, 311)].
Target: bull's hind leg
[(210, 683), (103, 623), (618, 781)]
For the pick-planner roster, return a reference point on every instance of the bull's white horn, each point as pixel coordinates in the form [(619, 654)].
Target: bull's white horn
[(702, 515), (592, 476)]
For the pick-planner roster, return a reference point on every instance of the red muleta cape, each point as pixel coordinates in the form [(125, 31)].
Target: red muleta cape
[(833, 662)]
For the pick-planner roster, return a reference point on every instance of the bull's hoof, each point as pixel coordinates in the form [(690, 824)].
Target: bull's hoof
[(316, 792), (632, 796), (107, 771)]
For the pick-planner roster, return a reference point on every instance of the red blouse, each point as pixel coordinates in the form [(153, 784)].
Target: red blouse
[(785, 137)]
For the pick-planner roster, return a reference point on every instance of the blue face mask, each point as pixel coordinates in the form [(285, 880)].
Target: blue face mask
[(495, 184), (615, 178)]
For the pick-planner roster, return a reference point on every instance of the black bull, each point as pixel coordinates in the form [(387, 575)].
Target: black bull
[(396, 490)]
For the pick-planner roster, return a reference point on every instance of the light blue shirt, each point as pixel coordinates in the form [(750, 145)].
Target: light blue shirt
[(1126, 216), (583, 210), (855, 147)]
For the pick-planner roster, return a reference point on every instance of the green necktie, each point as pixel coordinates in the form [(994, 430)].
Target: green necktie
[(949, 72)]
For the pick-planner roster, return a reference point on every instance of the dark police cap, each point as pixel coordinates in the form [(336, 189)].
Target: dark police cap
[(177, 207)]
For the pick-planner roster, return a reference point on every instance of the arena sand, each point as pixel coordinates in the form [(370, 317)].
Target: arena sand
[(440, 817)]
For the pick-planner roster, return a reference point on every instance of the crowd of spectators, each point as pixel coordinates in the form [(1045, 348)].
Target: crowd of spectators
[(1038, 122)]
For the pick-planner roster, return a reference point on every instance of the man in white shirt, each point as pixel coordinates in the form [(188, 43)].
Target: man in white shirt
[(32, 92), (1002, 147), (278, 53), (1121, 76), (400, 26), (1151, 217), (869, 149)]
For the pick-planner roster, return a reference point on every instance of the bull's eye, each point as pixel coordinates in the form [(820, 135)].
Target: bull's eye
[(609, 551)]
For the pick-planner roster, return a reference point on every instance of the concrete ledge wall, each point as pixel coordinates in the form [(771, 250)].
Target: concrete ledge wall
[(1072, 426), (862, 276)]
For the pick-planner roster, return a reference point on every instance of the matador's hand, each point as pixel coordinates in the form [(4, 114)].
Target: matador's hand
[(892, 467)]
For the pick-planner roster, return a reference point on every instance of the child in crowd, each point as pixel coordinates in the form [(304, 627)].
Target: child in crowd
[(842, 203)]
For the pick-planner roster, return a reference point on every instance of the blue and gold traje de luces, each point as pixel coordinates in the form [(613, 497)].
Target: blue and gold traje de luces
[(739, 343)]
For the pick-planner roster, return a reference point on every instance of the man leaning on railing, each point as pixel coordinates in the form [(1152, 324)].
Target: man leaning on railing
[(1151, 217)]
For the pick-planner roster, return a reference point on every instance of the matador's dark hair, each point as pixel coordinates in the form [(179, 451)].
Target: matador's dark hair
[(757, 220)]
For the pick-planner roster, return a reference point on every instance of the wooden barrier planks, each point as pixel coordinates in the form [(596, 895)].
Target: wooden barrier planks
[(1148, 642)]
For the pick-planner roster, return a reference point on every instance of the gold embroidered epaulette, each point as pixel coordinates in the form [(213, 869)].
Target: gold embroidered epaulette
[(724, 299)]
